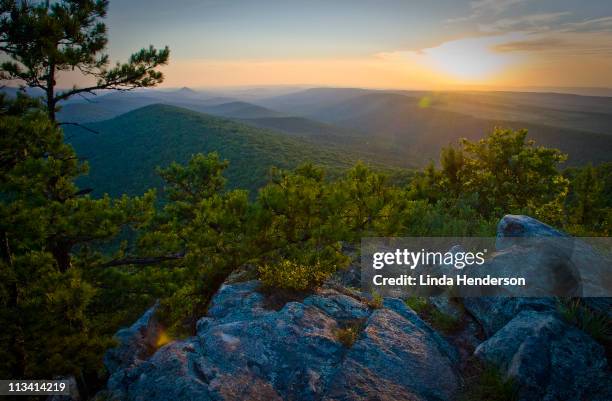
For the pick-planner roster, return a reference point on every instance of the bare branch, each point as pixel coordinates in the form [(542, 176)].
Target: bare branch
[(79, 125)]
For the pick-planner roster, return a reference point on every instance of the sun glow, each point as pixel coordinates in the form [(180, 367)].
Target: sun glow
[(162, 339), (471, 60), (458, 62)]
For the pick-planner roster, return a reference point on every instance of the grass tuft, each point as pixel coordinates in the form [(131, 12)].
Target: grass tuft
[(376, 302), (348, 334), (595, 324), (447, 324), (489, 385), (418, 304)]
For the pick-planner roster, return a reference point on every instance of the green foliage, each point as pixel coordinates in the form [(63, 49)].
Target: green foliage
[(42, 39), (588, 206), (348, 334), (290, 275), (60, 303), (501, 173), (49, 229), (418, 304), (158, 135), (210, 223), (488, 384), (595, 324), (298, 218), (444, 322), (376, 302), (439, 320)]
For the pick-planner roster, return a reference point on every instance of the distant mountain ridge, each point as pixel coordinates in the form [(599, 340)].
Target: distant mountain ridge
[(421, 123), (124, 154), (111, 105), (395, 128)]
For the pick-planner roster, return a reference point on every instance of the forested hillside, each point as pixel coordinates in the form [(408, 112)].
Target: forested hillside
[(124, 153), (417, 123)]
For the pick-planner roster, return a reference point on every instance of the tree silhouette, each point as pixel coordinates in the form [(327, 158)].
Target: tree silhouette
[(43, 39)]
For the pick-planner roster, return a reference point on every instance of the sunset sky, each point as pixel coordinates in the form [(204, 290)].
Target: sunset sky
[(435, 44)]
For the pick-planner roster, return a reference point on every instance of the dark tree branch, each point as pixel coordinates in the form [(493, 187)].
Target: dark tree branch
[(143, 261), (88, 100), (80, 125)]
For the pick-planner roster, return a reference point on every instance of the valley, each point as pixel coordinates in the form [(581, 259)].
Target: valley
[(389, 130)]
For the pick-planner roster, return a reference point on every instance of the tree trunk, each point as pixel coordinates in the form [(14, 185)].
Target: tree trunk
[(51, 91), (61, 254), (15, 328), (5, 248)]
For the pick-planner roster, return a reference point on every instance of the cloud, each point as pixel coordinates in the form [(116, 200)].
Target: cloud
[(541, 44), (571, 44), (481, 8), (529, 22), (602, 24), (492, 7)]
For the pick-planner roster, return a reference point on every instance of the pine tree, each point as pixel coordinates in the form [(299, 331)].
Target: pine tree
[(59, 300), (44, 220), (43, 39)]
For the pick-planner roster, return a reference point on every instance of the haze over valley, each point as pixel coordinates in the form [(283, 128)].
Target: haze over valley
[(138, 131)]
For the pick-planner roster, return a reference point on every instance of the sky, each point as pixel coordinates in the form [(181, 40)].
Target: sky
[(434, 44)]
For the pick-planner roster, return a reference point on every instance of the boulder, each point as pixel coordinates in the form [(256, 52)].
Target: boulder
[(339, 306), (553, 261), (135, 343), (493, 313), (512, 226), (395, 359), (174, 372), (548, 359), (242, 350), (549, 266)]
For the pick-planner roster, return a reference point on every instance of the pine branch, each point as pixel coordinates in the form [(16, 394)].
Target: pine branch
[(79, 125), (144, 261)]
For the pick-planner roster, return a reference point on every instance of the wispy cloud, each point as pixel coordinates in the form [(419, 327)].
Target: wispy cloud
[(529, 22), (492, 7), (561, 43), (541, 44), (483, 8), (602, 24)]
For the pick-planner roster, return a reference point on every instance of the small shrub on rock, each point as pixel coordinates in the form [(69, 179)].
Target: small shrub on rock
[(376, 302), (439, 320), (418, 304), (444, 322), (348, 335), (291, 275)]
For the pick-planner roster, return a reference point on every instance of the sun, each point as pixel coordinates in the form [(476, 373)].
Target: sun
[(471, 60)]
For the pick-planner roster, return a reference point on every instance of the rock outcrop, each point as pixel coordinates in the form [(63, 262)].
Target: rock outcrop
[(529, 341), (245, 349), (136, 343), (548, 359)]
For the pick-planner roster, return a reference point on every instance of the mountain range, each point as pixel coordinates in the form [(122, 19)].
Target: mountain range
[(125, 151), (140, 130)]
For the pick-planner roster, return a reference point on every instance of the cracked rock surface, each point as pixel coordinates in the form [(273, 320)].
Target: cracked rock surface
[(244, 351)]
